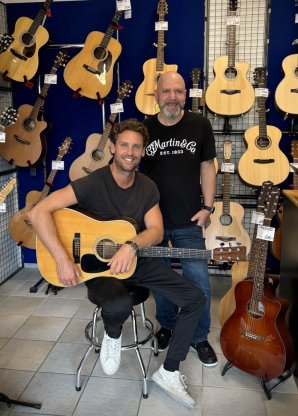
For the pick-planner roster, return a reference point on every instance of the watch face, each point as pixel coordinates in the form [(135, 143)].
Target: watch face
[(134, 246)]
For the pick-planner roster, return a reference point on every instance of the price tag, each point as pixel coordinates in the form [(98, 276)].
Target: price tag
[(3, 207), (293, 166), (117, 108), (161, 25), (233, 21), (261, 92), (127, 14), (2, 136), (50, 79), (228, 167), (296, 18), (123, 5), (265, 233), (195, 92), (257, 217), (57, 164)]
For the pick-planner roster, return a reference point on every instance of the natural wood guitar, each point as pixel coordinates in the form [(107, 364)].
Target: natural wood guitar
[(7, 189), (92, 242), (8, 116), (20, 227), (153, 69), (25, 143), (263, 160), (20, 60), (255, 338), (226, 222), (90, 72), (97, 152), (230, 93)]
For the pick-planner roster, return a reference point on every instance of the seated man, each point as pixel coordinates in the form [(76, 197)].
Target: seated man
[(113, 191)]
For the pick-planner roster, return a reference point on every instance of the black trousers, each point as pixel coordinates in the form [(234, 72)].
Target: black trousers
[(112, 295)]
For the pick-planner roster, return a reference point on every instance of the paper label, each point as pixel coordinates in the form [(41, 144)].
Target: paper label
[(117, 108), (50, 79), (2, 136), (228, 167), (161, 25), (196, 92), (265, 233), (257, 217), (233, 21), (123, 5), (261, 92), (3, 207), (57, 164)]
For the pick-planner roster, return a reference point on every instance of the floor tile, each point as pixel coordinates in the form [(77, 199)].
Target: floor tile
[(3, 341), (20, 305), (282, 404), (75, 332), (58, 307), (10, 325), (13, 382), (44, 328), (24, 290)]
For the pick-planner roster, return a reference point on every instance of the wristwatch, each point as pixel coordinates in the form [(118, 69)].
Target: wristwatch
[(209, 209), (132, 245)]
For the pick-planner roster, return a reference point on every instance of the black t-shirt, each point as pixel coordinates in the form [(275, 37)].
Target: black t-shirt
[(173, 160), (100, 194)]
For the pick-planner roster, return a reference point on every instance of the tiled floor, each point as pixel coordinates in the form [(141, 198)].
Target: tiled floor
[(42, 341)]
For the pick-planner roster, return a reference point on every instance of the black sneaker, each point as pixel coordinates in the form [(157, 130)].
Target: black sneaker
[(163, 336), (205, 352)]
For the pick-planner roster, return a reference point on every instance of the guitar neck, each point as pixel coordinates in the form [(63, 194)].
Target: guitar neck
[(226, 191), (295, 176), (40, 16), (231, 43), (172, 252), (262, 116), (160, 50), (109, 33), (106, 133)]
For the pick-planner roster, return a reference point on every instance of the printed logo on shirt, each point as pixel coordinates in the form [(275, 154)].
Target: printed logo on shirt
[(167, 147)]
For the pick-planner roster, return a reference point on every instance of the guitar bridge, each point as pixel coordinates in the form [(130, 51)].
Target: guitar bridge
[(76, 248), (252, 336), (91, 69), (230, 92), (28, 223), (225, 239), (21, 140), (87, 170), (18, 55), (294, 90), (264, 161)]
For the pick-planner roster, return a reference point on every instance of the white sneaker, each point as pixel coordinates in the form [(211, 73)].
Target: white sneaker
[(173, 383), (110, 354)]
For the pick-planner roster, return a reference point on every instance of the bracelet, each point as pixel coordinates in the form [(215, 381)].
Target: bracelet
[(132, 245), (209, 209)]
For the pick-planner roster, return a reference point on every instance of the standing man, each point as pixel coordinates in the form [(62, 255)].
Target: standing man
[(118, 190), (180, 160)]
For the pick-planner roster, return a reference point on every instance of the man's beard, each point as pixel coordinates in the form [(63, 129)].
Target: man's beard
[(171, 115)]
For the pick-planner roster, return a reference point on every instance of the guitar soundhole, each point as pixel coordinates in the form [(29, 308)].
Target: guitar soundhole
[(263, 142), (100, 53), (29, 124), (256, 309), (231, 73), (97, 155), (296, 72), (226, 219), (28, 39), (105, 249)]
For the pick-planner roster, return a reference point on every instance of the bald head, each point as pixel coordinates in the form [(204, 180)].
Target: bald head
[(170, 77)]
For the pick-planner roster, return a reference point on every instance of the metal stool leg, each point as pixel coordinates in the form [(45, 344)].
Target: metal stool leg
[(137, 350)]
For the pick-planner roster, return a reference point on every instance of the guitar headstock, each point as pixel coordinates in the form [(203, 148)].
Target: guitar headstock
[(294, 149), (263, 196), (124, 90), (65, 147), (5, 41), (229, 254), (227, 149), (7, 189), (60, 59), (195, 75), (8, 116), (233, 5), (162, 8), (260, 76), (271, 204)]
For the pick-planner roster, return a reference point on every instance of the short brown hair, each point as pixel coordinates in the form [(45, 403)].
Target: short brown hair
[(130, 124)]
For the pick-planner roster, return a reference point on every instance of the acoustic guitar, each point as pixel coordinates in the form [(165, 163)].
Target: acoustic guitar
[(230, 93), (255, 338), (97, 151), (239, 270), (226, 222), (5, 41), (90, 72), (20, 227), (153, 69), (7, 189), (286, 93), (8, 116), (195, 77), (25, 143), (20, 60), (263, 160), (92, 242)]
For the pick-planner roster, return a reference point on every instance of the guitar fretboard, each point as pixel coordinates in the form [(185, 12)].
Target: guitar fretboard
[(39, 18), (231, 42), (109, 33)]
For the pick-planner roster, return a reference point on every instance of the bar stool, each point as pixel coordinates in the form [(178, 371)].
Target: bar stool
[(139, 295)]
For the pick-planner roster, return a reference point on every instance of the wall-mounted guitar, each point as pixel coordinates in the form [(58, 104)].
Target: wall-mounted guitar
[(20, 227), (90, 72), (8, 117), (25, 143), (255, 338), (230, 93), (152, 69), (97, 150), (286, 93), (20, 61), (263, 160), (226, 222), (5, 41), (7, 189)]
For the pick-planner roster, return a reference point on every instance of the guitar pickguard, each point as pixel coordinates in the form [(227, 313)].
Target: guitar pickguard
[(91, 264)]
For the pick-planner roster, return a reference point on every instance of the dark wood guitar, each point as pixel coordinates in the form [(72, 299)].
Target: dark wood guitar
[(153, 69), (25, 140), (195, 77), (90, 72), (255, 338), (92, 242), (97, 152), (20, 227), (20, 60), (263, 160), (230, 93)]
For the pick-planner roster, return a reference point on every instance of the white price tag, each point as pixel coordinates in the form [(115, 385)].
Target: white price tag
[(127, 14), (296, 18), (50, 79), (228, 167), (117, 108), (2, 136), (57, 164), (293, 165), (265, 233), (161, 25), (261, 92), (123, 5), (195, 92), (257, 217), (3, 207), (233, 21)]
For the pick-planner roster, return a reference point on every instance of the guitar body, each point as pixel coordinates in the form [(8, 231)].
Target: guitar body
[(260, 346), (91, 159), (20, 227), (254, 173), (235, 229), (286, 93), (27, 47), (145, 99), (233, 104), (24, 146), (85, 81)]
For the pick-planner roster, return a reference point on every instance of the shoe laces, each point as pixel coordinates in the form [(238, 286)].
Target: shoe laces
[(112, 347), (179, 381)]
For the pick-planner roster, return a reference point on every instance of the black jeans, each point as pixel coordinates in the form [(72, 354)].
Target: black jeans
[(112, 295)]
